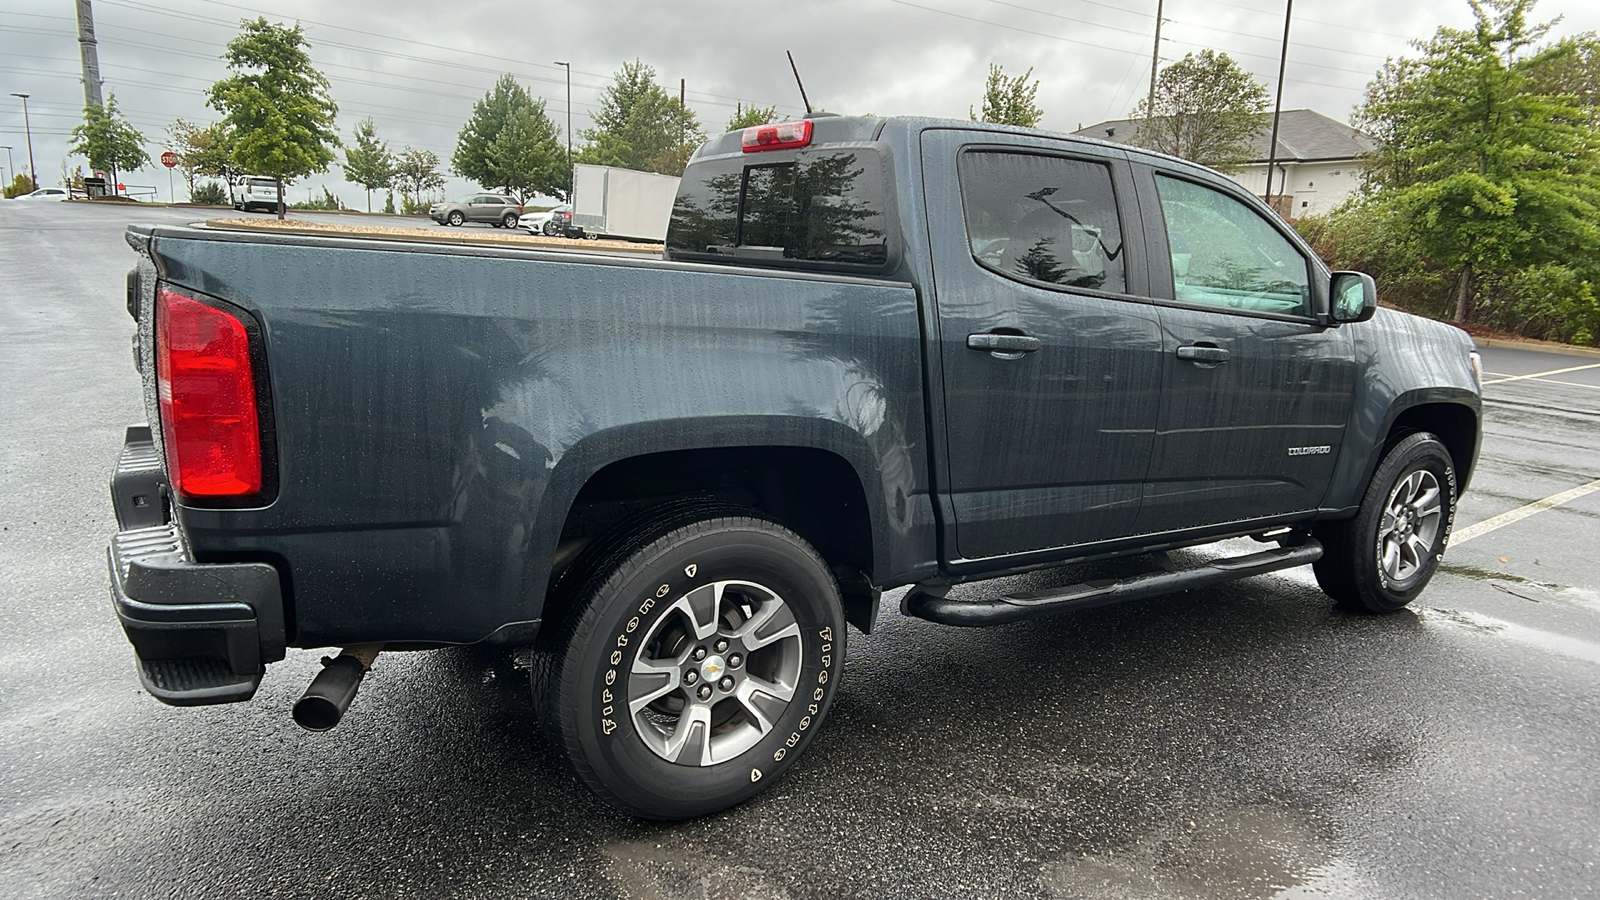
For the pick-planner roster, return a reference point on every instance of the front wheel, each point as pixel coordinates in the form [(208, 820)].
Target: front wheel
[(1381, 560), (700, 657), (456, 218)]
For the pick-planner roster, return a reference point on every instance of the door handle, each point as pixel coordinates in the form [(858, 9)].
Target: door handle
[(1200, 353), (1003, 343)]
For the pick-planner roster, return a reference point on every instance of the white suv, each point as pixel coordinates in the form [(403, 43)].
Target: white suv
[(257, 192)]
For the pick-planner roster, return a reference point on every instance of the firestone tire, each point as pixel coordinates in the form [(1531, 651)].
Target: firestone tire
[(1382, 559), (456, 218), (700, 656)]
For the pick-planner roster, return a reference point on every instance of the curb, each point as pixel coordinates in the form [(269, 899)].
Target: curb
[(1557, 349)]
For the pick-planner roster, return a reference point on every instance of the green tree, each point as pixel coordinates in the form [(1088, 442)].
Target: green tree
[(1576, 74), (747, 117), (20, 184), (108, 141), (640, 126), (1207, 110), (277, 105), (416, 172), (369, 163), (510, 145), (204, 151), (1009, 101), (1496, 176)]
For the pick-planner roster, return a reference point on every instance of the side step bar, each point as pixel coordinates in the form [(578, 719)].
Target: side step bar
[(929, 602)]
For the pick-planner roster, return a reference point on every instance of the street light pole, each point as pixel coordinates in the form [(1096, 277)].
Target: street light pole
[(33, 173), (568, 67)]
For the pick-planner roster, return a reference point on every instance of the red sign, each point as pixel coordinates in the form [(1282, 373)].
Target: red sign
[(169, 159)]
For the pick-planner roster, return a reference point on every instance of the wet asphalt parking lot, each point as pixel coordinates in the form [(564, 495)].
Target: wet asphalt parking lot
[(1241, 741)]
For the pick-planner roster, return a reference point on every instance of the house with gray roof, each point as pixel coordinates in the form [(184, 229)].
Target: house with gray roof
[(1318, 166)]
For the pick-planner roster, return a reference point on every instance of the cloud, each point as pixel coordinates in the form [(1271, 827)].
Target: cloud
[(416, 67)]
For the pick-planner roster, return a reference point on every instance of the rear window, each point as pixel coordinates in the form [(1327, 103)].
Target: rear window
[(263, 184), (823, 207)]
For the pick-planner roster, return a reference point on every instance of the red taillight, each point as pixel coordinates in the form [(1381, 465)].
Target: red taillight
[(782, 136), (207, 389)]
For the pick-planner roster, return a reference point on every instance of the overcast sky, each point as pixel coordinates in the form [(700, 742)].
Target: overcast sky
[(416, 66)]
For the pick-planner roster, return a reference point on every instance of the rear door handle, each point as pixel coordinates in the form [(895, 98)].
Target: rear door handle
[(1003, 343), (1197, 353)]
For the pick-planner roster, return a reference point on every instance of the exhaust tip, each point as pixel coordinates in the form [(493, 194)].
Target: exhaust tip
[(316, 713), (329, 694)]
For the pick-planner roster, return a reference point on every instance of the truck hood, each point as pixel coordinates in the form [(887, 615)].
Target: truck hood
[(1424, 331)]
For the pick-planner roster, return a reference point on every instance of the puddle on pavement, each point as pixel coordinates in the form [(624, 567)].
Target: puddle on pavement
[(1260, 851), (647, 870), (1527, 588), (1564, 645)]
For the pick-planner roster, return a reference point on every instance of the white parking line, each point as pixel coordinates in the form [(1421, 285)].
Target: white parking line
[(1542, 374), (1461, 536)]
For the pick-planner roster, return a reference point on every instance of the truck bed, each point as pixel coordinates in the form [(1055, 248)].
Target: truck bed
[(436, 405)]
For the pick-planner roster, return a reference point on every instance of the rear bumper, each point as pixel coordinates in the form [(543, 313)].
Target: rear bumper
[(202, 633)]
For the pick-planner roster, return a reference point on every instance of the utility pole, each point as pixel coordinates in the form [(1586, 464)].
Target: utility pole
[(1277, 104), (11, 167), (1155, 64), (33, 174), (91, 57), (568, 67)]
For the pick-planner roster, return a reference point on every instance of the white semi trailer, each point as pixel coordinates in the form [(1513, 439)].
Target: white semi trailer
[(622, 203)]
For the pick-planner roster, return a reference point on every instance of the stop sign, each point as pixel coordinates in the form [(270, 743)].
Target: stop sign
[(169, 159)]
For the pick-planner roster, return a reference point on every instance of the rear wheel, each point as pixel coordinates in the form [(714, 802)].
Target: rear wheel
[(1381, 560), (509, 220), (700, 656)]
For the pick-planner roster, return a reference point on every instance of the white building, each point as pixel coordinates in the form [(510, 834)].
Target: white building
[(1318, 166)]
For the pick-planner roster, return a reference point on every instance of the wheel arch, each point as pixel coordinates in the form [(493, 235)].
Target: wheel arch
[(816, 477), (1451, 415)]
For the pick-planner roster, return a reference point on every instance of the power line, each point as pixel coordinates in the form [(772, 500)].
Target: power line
[(1191, 43)]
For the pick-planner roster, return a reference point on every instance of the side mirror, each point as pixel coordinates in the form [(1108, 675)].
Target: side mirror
[(1355, 297)]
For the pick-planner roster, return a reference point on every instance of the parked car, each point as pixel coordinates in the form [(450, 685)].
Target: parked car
[(498, 210), (46, 194), (877, 353), (255, 192), (560, 224), (541, 222)]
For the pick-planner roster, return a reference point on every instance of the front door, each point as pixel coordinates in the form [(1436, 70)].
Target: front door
[(1050, 355), (1256, 391)]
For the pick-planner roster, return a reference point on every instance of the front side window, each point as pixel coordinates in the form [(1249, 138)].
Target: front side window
[(1226, 255), (1043, 219)]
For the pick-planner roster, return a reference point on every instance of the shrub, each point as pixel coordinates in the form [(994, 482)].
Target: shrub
[(18, 186), (209, 193)]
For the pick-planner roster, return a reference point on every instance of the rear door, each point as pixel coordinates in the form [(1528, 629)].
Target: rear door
[(1050, 350), (1256, 388)]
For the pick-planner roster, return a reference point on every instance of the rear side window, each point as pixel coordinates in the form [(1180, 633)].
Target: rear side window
[(822, 207), (1226, 255), (1046, 220)]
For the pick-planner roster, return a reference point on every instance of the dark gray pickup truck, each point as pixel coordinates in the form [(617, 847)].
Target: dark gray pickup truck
[(878, 352)]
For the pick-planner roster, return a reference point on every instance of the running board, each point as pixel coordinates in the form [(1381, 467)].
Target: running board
[(928, 602)]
